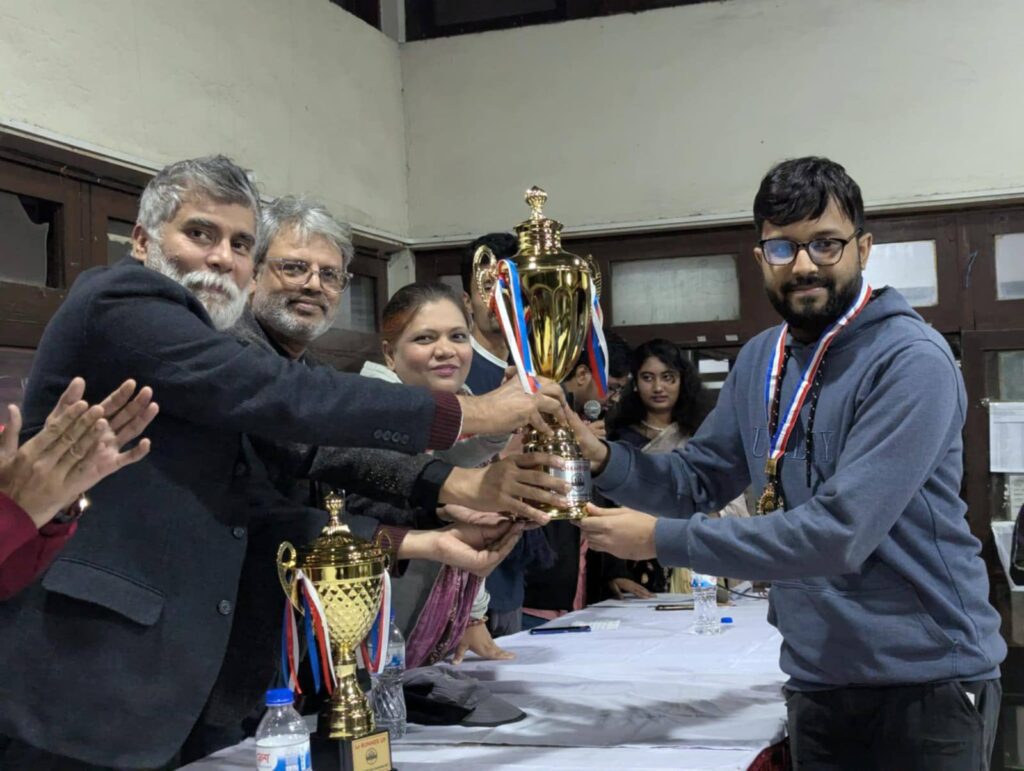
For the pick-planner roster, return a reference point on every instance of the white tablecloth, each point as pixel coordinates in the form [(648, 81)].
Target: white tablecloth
[(648, 694)]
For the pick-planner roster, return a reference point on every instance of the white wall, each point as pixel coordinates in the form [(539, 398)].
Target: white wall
[(674, 115), (299, 90)]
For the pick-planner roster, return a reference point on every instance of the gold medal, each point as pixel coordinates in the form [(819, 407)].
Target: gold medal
[(770, 499)]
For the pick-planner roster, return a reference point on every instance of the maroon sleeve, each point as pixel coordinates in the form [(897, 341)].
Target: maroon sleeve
[(25, 552), (447, 425)]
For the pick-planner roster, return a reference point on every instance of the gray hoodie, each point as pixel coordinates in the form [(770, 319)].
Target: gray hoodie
[(876, 578)]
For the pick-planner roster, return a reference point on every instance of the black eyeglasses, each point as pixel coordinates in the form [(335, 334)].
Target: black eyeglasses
[(298, 273), (822, 251)]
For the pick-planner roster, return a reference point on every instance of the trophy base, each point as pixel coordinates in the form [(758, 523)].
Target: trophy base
[(366, 753), (571, 514)]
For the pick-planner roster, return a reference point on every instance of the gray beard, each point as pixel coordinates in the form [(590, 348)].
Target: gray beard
[(223, 310), (272, 310)]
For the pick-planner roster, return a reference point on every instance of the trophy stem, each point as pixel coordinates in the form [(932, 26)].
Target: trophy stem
[(348, 714), (562, 442)]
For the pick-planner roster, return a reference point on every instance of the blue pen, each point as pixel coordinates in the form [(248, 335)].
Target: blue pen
[(558, 629)]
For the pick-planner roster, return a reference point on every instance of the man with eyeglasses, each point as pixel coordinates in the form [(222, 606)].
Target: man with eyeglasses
[(848, 419), (300, 274)]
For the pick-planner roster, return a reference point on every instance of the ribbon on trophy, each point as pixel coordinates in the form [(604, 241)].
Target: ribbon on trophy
[(373, 654), (771, 497), (517, 335), (597, 346)]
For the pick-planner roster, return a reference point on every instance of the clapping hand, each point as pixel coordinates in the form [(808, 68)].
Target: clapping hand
[(77, 447)]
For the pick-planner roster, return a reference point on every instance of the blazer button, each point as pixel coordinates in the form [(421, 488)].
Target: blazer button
[(405, 439), (241, 469), (224, 607), (238, 532), (376, 434), (387, 436)]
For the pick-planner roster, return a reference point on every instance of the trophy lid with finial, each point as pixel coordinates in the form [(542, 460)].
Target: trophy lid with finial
[(539, 234), (336, 545)]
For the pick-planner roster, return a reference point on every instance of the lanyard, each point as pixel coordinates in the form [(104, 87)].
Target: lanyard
[(771, 498)]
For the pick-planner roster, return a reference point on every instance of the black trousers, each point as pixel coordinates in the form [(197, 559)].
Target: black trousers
[(931, 727)]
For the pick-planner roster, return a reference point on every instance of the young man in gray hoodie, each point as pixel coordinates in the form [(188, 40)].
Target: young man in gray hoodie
[(891, 645)]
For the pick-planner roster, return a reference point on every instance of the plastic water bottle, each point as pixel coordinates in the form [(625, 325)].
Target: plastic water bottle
[(282, 739), (388, 698), (705, 604)]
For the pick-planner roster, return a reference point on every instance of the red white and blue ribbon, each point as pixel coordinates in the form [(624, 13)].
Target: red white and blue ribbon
[(597, 346), (318, 641), (772, 378), (517, 334), (290, 648), (373, 650)]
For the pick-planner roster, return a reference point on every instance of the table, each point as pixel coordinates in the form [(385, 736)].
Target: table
[(647, 695)]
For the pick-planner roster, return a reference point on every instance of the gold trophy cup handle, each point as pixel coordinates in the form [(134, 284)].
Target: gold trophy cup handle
[(286, 571), (595, 273), (485, 271)]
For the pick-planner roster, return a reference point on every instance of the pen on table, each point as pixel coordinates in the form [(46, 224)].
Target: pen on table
[(684, 606), (559, 629)]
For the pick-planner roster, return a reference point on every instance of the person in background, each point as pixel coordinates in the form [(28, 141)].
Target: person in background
[(441, 609), (490, 350), (43, 482), (660, 414)]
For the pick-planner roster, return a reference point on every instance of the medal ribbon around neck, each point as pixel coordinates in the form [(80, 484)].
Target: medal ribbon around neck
[(772, 380)]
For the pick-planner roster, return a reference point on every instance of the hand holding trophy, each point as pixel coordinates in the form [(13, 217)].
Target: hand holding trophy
[(547, 302)]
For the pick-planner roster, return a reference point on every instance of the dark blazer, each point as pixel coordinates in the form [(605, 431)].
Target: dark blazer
[(294, 468), (112, 656)]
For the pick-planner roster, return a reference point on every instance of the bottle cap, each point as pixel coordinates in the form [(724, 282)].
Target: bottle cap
[(278, 696), (726, 619)]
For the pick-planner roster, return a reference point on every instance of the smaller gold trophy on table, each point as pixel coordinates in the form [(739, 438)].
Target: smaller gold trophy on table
[(547, 302), (348, 575)]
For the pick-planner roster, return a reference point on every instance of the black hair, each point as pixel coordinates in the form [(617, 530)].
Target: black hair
[(619, 354), (801, 188), (504, 246), (689, 410), (407, 302)]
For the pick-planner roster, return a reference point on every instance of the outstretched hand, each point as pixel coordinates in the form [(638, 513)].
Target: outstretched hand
[(624, 533)]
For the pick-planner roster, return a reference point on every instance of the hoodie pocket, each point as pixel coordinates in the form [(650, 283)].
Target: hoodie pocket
[(863, 637)]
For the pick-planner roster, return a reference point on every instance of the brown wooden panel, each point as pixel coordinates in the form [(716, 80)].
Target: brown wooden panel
[(25, 309), (980, 229)]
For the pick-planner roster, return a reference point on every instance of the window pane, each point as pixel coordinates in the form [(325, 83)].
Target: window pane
[(1010, 366), (358, 311), (15, 364), (908, 266), (675, 290), (1010, 266), (28, 242), (119, 240)]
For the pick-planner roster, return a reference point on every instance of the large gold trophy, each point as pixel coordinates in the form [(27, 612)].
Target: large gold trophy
[(554, 289), (348, 574)]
